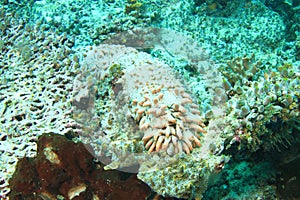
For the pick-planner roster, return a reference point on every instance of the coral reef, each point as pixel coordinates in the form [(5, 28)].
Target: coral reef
[(89, 22), (37, 68), (240, 71), (162, 108), (239, 28), (242, 179), (263, 110), (262, 174), (133, 6), (141, 101), (63, 169), (42, 45), (222, 8)]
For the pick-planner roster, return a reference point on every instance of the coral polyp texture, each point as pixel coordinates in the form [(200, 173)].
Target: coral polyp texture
[(153, 97), (162, 108), (36, 79), (263, 110), (141, 113)]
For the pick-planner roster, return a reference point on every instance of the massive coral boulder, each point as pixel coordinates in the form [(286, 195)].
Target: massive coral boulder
[(138, 114)]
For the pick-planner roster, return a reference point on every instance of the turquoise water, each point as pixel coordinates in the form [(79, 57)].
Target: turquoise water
[(195, 99)]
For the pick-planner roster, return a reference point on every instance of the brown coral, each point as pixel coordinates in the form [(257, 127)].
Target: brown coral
[(66, 169)]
